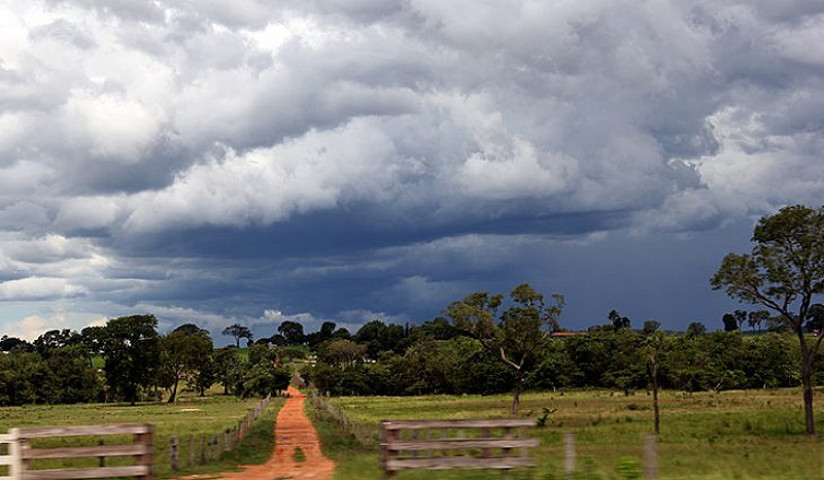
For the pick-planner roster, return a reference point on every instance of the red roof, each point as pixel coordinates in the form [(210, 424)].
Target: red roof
[(565, 334)]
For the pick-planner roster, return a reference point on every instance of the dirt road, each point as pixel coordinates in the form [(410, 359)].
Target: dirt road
[(297, 452)]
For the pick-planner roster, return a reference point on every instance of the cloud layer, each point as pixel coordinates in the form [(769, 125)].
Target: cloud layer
[(191, 156)]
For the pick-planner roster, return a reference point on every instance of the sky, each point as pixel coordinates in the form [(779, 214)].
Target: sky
[(257, 161)]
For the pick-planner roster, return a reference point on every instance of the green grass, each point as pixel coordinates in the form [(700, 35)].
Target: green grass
[(189, 418), (730, 435)]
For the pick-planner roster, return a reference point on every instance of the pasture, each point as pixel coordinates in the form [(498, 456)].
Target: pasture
[(753, 434), (190, 417)]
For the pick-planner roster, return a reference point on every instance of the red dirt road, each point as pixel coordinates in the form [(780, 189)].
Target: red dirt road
[(293, 430)]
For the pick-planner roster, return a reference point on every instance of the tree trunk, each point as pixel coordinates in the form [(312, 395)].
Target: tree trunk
[(516, 400), (173, 396), (656, 408), (807, 383)]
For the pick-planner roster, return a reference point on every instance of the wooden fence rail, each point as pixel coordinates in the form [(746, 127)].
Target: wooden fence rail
[(455, 444), (21, 453)]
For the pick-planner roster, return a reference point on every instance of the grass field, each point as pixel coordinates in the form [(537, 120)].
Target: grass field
[(190, 417), (730, 435)]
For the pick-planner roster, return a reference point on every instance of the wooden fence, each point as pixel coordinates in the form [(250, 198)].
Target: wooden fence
[(455, 444), (21, 453), (650, 464), (12, 460), (206, 447)]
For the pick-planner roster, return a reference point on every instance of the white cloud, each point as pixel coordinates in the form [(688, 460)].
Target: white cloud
[(38, 288), (320, 171), (276, 316)]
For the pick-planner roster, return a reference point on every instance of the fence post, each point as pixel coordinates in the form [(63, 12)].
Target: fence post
[(191, 450), (650, 457), (147, 440), (15, 450), (569, 455), (202, 449), (173, 454), (101, 460)]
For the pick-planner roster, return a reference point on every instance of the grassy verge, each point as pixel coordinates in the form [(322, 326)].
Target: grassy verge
[(730, 435), (352, 460), (190, 417)]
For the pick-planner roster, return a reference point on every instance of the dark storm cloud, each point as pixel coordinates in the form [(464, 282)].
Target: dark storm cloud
[(348, 160)]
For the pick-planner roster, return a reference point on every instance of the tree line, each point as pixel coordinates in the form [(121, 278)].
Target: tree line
[(437, 358), (128, 360)]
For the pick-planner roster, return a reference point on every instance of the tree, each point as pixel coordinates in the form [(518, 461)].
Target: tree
[(187, 353), (341, 353), (380, 337), (92, 338), (730, 323), (696, 329), (228, 368), (54, 339), (292, 332), (756, 319), (238, 331), (7, 344), (784, 273), (653, 350), (618, 321), (651, 326), (740, 318), (131, 354), (519, 331)]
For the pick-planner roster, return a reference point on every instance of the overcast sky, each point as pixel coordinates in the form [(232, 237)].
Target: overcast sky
[(255, 161)]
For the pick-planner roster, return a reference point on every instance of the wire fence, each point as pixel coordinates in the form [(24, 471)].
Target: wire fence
[(200, 449), (367, 436)]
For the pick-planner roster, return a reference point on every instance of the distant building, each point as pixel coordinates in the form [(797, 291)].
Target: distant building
[(565, 334)]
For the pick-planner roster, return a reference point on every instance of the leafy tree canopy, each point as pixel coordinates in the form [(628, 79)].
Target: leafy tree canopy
[(784, 272)]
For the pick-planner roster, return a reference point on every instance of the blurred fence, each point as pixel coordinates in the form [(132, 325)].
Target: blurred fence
[(21, 452)]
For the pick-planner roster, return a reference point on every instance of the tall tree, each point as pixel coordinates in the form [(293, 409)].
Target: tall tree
[(653, 350), (238, 331), (292, 332), (228, 368), (131, 354), (784, 273), (514, 336), (618, 321), (187, 352)]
